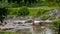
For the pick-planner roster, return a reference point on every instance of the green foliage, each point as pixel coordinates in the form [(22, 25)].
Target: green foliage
[(3, 13), (32, 10), (44, 17), (56, 22), (12, 11), (8, 32), (14, 5), (32, 2), (41, 12), (4, 4), (57, 25), (13, 1), (0, 0), (23, 11)]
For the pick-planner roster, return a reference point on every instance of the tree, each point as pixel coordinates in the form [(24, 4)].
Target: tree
[(4, 3), (58, 2), (27, 2), (13, 1), (53, 2), (23, 11), (3, 14)]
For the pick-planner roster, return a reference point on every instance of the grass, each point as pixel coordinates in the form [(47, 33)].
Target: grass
[(9, 33), (33, 10)]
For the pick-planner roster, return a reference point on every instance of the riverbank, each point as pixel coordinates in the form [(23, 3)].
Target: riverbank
[(33, 10)]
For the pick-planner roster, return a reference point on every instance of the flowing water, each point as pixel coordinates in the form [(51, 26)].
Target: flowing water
[(31, 29), (37, 29)]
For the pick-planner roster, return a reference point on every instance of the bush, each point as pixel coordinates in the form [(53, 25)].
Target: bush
[(44, 17), (42, 12), (56, 22), (39, 12), (32, 11), (23, 11)]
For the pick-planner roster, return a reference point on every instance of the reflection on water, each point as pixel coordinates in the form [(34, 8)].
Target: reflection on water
[(48, 31), (35, 30), (31, 29)]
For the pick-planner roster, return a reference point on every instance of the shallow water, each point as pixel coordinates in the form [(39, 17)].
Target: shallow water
[(33, 30), (43, 31)]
